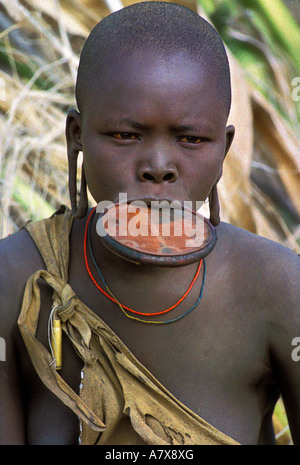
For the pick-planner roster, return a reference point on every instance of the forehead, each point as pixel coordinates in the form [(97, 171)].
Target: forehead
[(148, 82)]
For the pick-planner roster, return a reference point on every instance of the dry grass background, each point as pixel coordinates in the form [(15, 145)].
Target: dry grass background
[(40, 44)]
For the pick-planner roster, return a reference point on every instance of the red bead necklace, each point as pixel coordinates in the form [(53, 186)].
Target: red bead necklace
[(110, 295)]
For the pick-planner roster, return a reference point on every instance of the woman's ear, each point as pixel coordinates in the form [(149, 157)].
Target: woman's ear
[(214, 204), (230, 130), (74, 146), (74, 130)]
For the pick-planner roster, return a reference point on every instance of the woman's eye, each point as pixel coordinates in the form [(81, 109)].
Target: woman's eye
[(124, 136), (191, 139)]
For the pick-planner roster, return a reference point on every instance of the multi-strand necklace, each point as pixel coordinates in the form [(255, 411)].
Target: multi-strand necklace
[(108, 293)]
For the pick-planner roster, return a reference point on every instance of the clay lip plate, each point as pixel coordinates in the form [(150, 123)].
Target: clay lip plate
[(149, 235)]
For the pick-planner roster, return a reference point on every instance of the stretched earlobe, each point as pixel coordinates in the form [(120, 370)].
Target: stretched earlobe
[(73, 136), (79, 211), (214, 206)]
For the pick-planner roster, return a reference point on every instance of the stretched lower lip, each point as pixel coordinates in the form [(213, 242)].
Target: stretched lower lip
[(148, 201)]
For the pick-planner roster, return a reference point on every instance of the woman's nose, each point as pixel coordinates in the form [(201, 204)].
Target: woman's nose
[(158, 175), (157, 170)]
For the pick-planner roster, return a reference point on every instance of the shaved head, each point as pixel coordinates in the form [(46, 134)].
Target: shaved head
[(166, 29)]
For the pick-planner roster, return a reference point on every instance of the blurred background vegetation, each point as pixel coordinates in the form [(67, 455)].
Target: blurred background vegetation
[(40, 43)]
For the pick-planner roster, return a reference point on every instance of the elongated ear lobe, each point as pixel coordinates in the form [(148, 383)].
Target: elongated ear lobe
[(79, 211), (214, 206), (73, 136)]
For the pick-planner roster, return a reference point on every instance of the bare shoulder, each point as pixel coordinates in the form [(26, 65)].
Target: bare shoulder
[(268, 274), (278, 264), (265, 273), (19, 258)]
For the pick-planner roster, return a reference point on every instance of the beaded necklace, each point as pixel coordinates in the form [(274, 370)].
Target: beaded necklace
[(111, 296)]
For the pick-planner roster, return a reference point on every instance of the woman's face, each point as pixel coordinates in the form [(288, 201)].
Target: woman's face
[(153, 129)]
